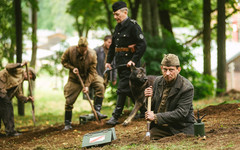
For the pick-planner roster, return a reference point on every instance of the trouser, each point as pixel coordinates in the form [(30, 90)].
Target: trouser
[(73, 89), (158, 132), (7, 115)]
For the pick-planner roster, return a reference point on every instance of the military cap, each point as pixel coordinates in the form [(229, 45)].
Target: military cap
[(118, 5), (33, 73), (83, 41), (170, 60)]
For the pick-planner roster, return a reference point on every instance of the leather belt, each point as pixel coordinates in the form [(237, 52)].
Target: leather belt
[(130, 48), (122, 49)]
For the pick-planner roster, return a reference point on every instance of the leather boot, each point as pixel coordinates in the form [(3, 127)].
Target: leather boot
[(97, 106), (118, 110), (68, 119)]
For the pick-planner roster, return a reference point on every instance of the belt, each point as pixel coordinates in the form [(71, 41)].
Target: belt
[(130, 48)]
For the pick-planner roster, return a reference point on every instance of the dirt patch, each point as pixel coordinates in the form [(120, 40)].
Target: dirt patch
[(222, 127)]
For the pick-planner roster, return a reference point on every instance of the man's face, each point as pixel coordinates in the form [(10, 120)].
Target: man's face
[(120, 15), (170, 73), (82, 49), (108, 43), (30, 75)]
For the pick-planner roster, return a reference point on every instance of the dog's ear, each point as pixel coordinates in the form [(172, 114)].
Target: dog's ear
[(144, 65), (132, 67)]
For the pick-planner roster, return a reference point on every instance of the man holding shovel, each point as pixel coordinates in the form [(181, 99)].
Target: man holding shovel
[(172, 97), (81, 62), (11, 79)]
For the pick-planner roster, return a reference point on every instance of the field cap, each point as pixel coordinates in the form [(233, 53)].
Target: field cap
[(170, 60), (83, 42), (118, 5)]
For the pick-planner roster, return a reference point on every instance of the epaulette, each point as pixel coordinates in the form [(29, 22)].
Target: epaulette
[(133, 21)]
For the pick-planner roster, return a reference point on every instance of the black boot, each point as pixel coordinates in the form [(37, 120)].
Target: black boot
[(97, 106), (68, 119), (118, 110)]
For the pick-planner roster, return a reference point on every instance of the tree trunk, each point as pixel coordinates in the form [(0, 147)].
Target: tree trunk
[(109, 17), (165, 21), (155, 21), (221, 47), (18, 25), (134, 8), (207, 36), (146, 14), (34, 34)]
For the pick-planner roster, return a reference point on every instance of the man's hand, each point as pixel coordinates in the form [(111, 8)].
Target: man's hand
[(85, 90), (75, 70), (107, 65), (149, 115), (148, 92), (24, 63), (30, 98), (130, 63)]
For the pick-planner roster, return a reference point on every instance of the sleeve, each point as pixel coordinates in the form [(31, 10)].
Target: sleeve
[(12, 67), (19, 94), (65, 60), (183, 106), (92, 70), (140, 43)]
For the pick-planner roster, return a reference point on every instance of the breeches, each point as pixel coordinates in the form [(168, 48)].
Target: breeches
[(6, 115), (73, 89)]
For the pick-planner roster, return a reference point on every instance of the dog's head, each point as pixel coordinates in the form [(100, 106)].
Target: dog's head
[(138, 75)]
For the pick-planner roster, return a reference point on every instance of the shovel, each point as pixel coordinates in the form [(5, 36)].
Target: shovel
[(148, 122), (30, 90), (89, 100)]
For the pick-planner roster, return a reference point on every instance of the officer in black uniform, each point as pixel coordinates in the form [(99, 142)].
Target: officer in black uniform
[(128, 46)]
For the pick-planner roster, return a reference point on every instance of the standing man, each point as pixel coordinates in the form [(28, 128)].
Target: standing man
[(81, 60), (172, 97), (11, 80), (128, 46), (102, 52)]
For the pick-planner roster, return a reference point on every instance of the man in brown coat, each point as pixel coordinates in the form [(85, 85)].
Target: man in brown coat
[(80, 59), (172, 97), (11, 79)]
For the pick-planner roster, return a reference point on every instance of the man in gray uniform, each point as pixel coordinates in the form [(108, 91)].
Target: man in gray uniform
[(172, 97)]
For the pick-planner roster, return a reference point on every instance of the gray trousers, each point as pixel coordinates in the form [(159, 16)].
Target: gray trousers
[(7, 115)]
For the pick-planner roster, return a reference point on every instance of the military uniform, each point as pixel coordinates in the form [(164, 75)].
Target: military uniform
[(102, 52), (172, 101), (11, 79), (86, 64), (126, 34)]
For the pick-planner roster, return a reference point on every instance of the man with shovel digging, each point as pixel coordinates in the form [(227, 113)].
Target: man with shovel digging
[(80, 60), (172, 97), (11, 79)]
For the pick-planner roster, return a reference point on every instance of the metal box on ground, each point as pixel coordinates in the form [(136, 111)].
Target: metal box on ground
[(99, 138), (86, 118)]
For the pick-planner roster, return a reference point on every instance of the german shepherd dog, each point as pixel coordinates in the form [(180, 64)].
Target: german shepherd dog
[(138, 82)]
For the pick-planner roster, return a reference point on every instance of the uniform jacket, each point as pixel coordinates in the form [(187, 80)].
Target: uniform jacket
[(11, 79), (179, 114), (86, 64), (101, 63), (124, 35)]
